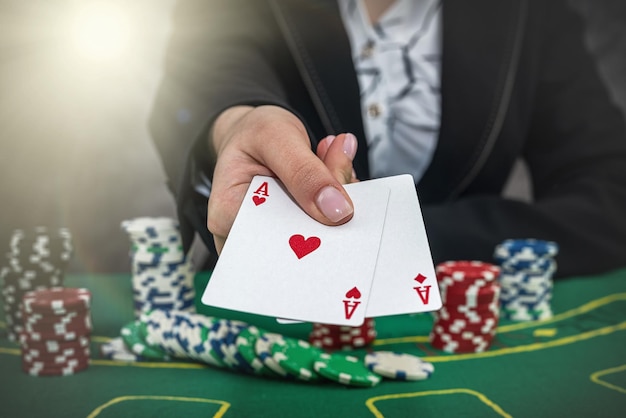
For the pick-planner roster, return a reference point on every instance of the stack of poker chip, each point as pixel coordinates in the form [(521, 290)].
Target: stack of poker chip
[(162, 274), (235, 345), (37, 259), (57, 329), (468, 320), (527, 267), (339, 337)]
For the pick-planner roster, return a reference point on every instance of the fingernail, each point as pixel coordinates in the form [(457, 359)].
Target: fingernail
[(349, 146), (330, 139), (333, 204)]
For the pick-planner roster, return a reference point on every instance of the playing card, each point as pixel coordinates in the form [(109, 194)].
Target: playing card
[(278, 261), (404, 280)]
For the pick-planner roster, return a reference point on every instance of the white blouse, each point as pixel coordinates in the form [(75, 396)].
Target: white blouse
[(398, 65)]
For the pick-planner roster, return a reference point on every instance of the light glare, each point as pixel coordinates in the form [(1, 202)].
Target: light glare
[(101, 31)]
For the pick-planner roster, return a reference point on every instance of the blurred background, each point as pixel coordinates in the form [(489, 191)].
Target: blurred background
[(77, 80)]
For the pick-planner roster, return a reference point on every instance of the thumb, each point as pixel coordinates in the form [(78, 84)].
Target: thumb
[(311, 183)]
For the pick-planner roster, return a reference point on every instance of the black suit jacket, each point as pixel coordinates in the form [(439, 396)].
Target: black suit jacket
[(517, 82)]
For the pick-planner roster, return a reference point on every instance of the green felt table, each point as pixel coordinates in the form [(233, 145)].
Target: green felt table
[(573, 365)]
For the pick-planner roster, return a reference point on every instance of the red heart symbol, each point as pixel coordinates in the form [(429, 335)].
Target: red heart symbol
[(420, 278), (258, 200), (353, 293), (302, 246)]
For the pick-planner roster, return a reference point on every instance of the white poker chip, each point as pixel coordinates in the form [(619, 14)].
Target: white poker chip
[(398, 366), (263, 349)]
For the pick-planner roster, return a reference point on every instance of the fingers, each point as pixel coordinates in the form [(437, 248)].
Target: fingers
[(323, 145), (314, 187), (270, 141), (339, 155)]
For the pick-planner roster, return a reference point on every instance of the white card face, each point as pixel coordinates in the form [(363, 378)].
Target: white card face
[(278, 261), (405, 280)]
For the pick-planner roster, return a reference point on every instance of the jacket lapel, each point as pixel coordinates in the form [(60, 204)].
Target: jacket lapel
[(478, 39), (317, 29)]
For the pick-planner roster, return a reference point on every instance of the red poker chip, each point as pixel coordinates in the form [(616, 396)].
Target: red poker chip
[(79, 320), (462, 307), (58, 334), (485, 292), (65, 371), (50, 317), (366, 334), (30, 339), (57, 300), (334, 347), (80, 326), (55, 363), (55, 367), (466, 285), (460, 338), (459, 346), (469, 311), (463, 270), (472, 314), (460, 325), (335, 337), (66, 352), (52, 336), (352, 333), (334, 342), (464, 334), (468, 301), (353, 338), (56, 357), (52, 345)]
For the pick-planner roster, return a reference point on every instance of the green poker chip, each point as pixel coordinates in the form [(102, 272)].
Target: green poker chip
[(347, 370), (246, 345), (134, 338), (297, 358)]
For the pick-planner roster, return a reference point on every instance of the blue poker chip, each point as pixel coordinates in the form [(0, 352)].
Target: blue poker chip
[(223, 340), (525, 249), (398, 366)]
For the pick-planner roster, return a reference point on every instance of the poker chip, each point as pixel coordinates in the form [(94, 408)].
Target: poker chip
[(116, 349), (296, 357), (36, 260), (222, 338), (235, 345), (469, 317), (347, 370), (67, 370), (246, 345), (263, 350), (337, 337), (55, 339), (398, 366), (528, 266), (132, 337), (162, 274), (57, 301)]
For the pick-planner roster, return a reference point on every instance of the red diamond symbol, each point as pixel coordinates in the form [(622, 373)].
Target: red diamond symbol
[(420, 278)]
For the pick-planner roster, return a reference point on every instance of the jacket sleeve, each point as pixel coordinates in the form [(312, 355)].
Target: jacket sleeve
[(576, 153), (219, 55)]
